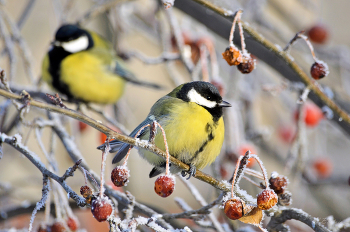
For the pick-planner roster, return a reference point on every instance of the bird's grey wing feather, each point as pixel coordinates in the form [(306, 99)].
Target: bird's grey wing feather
[(123, 148)]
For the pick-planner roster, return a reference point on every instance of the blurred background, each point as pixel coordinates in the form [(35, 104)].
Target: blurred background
[(262, 118)]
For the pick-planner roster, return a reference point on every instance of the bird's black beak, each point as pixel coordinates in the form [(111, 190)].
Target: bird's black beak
[(224, 104)]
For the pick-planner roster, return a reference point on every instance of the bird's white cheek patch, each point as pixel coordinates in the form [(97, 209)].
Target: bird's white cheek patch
[(77, 45), (194, 96)]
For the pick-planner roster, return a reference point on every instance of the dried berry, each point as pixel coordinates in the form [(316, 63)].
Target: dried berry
[(247, 65), (120, 176), (267, 199), (319, 70), (318, 34), (72, 224), (58, 227), (85, 191), (234, 208), (164, 185), (101, 208), (278, 183), (232, 55), (285, 199)]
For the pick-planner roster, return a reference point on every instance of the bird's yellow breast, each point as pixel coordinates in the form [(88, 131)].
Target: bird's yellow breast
[(88, 79), (192, 135)]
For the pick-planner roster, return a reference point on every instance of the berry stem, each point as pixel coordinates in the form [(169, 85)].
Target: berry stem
[(166, 149), (238, 13), (137, 134), (263, 170), (244, 51), (304, 37), (103, 166)]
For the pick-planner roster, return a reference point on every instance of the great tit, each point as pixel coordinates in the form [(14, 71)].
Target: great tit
[(191, 116), (82, 65)]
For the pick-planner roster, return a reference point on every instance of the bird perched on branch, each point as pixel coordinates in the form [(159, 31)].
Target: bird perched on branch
[(82, 65), (191, 116)]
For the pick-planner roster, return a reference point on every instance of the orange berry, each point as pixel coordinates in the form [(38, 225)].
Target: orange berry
[(72, 224), (323, 167), (232, 55), (313, 114), (85, 191), (164, 185), (267, 199), (234, 208), (82, 126), (243, 149)]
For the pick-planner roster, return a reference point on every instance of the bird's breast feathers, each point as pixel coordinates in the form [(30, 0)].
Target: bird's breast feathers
[(192, 135)]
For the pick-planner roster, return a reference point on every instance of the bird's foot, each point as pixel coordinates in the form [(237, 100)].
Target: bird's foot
[(190, 172)]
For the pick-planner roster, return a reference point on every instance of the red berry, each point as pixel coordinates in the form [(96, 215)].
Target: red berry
[(72, 224), (101, 208), (319, 70), (223, 171), (318, 34), (313, 114), (278, 183), (85, 191), (267, 199), (58, 227), (120, 176), (82, 126), (232, 55), (103, 137), (234, 208), (164, 185), (247, 65), (323, 167), (287, 133), (243, 149)]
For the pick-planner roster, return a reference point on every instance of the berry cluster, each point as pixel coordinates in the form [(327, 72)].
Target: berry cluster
[(242, 59)]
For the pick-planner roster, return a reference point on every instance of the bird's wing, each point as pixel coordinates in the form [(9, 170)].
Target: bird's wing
[(123, 148)]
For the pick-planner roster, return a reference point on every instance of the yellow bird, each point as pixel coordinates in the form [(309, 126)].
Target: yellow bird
[(191, 116), (83, 66)]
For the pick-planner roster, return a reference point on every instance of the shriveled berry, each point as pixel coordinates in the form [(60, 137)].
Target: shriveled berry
[(72, 224), (101, 208), (120, 176), (58, 227), (318, 34), (285, 199), (319, 70), (247, 65), (267, 199), (232, 55), (234, 208), (85, 191), (278, 183), (164, 185)]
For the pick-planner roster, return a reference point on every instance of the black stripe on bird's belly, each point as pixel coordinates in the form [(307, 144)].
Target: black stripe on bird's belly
[(56, 55), (208, 129)]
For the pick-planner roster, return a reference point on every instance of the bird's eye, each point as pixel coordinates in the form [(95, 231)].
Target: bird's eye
[(208, 97)]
